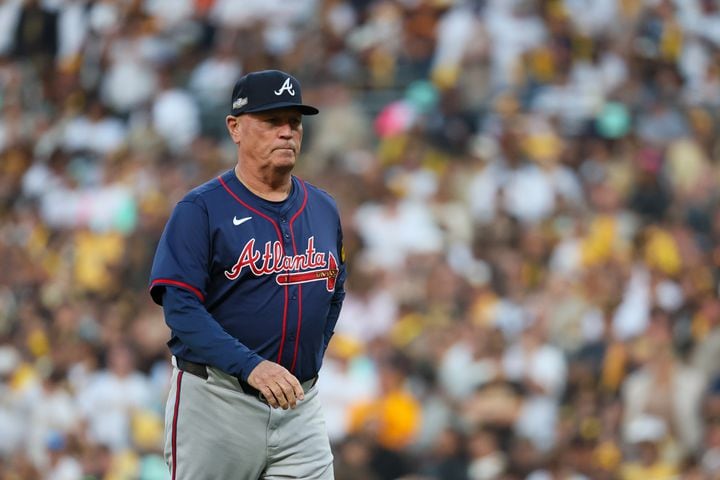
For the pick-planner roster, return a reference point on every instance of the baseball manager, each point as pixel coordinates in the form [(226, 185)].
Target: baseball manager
[(249, 272)]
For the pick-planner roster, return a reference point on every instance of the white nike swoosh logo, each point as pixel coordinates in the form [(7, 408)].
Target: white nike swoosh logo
[(239, 221)]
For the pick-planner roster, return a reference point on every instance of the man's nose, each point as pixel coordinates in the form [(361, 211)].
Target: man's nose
[(285, 130)]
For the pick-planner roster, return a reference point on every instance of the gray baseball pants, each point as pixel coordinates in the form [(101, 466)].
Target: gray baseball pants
[(214, 431)]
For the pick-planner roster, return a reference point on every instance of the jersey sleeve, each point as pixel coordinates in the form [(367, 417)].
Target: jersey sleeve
[(182, 256), (198, 330), (339, 294)]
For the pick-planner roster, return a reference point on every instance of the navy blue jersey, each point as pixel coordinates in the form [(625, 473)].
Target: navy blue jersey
[(270, 275)]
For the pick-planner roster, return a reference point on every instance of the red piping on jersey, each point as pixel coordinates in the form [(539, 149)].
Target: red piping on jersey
[(292, 235), (279, 234), (277, 228), (174, 423), (175, 283)]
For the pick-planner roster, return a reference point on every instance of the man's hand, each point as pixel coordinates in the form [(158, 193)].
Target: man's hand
[(279, 387)]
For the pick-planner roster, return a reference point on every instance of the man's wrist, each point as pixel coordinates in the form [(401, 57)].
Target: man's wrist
[(248, 366)]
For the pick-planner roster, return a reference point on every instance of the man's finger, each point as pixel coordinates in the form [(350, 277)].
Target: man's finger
[(297, 388), (283, 395), (289, 393), (293, 391), (269, 396)]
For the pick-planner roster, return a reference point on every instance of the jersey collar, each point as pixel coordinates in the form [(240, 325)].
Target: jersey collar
[(284, 207)]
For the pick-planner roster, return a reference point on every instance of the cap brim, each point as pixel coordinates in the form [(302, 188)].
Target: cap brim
[(304, 109)]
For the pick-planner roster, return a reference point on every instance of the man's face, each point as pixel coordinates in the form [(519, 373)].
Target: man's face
[(269, 139)]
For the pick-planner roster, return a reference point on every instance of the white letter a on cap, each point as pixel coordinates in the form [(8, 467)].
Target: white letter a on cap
[(286, 86)]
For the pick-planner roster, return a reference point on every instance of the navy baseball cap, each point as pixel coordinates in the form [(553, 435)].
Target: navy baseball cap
[(268, 90)]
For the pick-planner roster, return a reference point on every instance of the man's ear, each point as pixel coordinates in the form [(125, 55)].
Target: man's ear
[(233, 125)]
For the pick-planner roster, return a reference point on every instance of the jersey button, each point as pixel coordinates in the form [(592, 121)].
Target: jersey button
[(283, 219), (287, 235)]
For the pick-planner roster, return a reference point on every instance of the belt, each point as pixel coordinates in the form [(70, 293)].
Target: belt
[(200, 370)]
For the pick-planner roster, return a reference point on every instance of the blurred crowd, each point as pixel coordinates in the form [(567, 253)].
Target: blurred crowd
[(529, 194)]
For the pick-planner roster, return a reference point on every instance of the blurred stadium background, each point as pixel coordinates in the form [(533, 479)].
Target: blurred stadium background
[(529, 192)]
